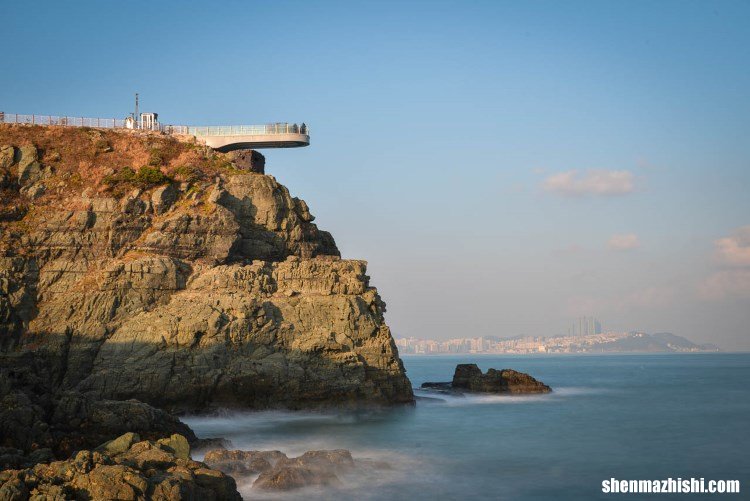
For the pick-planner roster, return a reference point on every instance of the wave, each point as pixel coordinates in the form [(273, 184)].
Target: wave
[(434, 398)]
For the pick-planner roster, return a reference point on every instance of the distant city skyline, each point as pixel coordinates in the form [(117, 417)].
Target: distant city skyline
[(502, 166), (585, 326), (607, 342)]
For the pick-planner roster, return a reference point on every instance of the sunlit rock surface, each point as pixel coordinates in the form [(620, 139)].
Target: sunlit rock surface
[(187, 284)]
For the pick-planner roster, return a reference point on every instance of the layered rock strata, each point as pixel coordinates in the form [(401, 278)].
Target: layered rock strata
[(185, 287)]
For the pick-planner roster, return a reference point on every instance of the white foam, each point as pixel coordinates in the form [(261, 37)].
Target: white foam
[(436, 398)]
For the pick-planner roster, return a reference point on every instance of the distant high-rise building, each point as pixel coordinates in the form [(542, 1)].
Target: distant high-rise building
[(586, 326)]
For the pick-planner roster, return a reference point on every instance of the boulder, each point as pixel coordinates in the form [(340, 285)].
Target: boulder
[(26, 155), (338, 459), (163, 197), (7, 156), (469, 378), (249, 160), (29, 168), (34, 191), (292, 476), (243, 462), (120, 444), (123, 473), (313, 468), (177, 445)]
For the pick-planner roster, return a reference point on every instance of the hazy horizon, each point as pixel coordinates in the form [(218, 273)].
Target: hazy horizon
[(503, 167)]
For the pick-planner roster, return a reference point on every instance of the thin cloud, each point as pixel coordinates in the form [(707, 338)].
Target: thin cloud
[(732, 253), (726, 284), (591, 182), (734, 250), (650, 297), (623, 242)]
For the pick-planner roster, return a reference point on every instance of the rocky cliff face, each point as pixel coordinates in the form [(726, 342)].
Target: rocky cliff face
[(187, 284)]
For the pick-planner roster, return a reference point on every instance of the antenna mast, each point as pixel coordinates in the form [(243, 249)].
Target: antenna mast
[(136, 117)]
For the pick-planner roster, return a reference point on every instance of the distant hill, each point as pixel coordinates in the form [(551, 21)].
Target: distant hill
[(659, 342)]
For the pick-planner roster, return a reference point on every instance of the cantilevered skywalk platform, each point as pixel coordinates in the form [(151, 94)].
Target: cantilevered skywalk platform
[(240, 137)]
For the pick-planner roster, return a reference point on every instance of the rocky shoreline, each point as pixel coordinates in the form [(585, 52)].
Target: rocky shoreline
[(142, 277), (192, 283)]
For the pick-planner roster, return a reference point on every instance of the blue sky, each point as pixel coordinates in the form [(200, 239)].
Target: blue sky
[(503, 166)]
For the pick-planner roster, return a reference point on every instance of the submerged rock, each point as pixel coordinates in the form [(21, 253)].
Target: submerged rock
[(278, 472), (294, 476), (313, 468), (469, 378), (243, 462)]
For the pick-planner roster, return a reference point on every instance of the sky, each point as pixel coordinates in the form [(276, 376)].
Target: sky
[(504, 167)]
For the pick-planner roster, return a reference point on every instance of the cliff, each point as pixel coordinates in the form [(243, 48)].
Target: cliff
[(149, 268)]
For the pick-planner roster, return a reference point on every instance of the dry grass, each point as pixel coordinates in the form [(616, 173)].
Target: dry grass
[(84, 153)]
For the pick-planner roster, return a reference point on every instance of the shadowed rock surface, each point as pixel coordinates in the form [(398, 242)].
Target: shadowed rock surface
[(35, 415), (123, 469), (469, 378)]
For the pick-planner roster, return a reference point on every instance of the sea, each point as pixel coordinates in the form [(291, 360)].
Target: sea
[(624, 416)]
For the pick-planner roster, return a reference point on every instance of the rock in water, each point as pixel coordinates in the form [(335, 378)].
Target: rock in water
[(313, 468), (219, 291), (243, 462), (469, 378)]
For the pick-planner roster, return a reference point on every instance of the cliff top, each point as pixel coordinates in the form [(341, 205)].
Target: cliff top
[(45, 170), (83, 157)]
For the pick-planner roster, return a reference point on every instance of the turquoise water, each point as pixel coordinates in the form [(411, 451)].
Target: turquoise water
[(623, 416)]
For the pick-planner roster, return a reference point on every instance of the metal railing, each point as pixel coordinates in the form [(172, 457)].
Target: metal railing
[(249, 130), (116, 123), (15, 118)]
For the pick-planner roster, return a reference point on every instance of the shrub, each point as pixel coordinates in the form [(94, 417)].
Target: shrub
[(150, 176), (156, 157), (124, 175), (145, 177), (188, 173), (102, 146)]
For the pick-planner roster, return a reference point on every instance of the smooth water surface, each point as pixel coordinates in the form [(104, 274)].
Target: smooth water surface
[(622, 416)]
